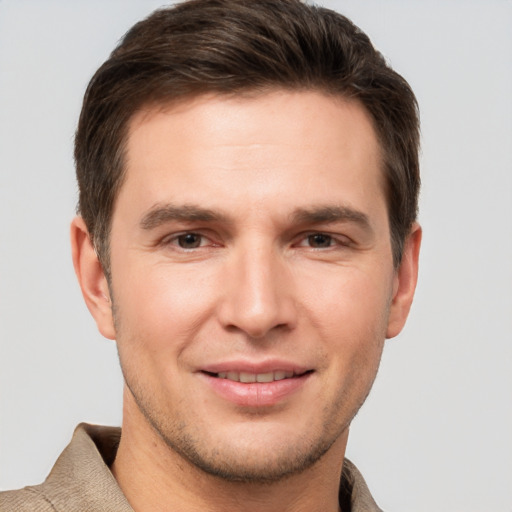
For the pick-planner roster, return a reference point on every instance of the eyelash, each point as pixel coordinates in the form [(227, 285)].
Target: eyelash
[(333, 240), (175, 239)]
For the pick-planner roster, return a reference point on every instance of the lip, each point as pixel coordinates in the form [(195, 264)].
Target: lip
[(255, 394), (267, 366)]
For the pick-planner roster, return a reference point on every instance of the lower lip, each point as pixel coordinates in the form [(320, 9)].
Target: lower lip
[(256, 394)]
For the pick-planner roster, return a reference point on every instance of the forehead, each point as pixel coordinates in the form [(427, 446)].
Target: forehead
[(216, 112), (254, 145)]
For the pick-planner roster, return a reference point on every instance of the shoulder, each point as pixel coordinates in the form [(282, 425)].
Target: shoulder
[(79, 481), (354, 494), (28, 499)]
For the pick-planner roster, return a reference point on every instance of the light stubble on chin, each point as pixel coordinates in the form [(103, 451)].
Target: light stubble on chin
[(237, 468), (231, 465)]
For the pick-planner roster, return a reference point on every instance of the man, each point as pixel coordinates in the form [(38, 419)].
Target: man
[(248, 177)]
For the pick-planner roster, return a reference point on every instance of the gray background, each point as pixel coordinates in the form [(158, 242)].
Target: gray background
[(436, 433)]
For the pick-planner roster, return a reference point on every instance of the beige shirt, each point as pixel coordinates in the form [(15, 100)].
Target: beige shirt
[(81, 480)]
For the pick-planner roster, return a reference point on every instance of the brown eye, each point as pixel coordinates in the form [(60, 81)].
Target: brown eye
[(320, 240), (189, 241)]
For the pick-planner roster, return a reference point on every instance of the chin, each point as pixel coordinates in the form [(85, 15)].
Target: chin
[(258, 463)]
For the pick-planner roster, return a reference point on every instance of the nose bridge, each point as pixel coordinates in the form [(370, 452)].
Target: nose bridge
[(259, 298)]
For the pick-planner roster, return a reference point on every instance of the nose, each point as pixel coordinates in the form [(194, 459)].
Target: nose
[(258, 294)]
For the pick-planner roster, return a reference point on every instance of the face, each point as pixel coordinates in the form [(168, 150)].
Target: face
[(252, 277)]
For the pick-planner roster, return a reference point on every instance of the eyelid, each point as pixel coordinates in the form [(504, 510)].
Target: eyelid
[(172, 239), (208, 239), (339, 239)]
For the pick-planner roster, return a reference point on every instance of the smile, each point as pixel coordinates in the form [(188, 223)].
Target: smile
[(256, 388), (247, 377)]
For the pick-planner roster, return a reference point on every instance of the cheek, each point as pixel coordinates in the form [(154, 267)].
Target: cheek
[(157, 311), (350, 313), (348, 301)]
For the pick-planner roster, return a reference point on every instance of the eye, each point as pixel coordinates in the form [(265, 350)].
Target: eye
[(188, 240), (319, 240)]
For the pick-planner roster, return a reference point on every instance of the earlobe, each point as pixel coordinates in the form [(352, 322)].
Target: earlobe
[(405, 283), (91, 278)]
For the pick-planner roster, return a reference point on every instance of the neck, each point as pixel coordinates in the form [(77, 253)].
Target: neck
[(155, 478)]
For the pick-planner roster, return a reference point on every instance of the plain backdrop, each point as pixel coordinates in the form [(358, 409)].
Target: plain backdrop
[(436, 433)]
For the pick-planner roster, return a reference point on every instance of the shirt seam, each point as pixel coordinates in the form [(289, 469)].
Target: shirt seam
[(42, 495)]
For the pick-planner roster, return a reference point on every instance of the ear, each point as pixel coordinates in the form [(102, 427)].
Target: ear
[(405, 283), (91, 278)]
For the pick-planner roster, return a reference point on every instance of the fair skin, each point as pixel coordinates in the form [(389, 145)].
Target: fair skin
[(250, 242)]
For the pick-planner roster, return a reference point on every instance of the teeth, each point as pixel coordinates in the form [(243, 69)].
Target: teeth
[(247, 377), (233, 376), (265, 377), (282, 375)]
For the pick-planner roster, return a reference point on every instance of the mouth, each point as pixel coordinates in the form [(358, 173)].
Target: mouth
[(250, 377), (257, 385)]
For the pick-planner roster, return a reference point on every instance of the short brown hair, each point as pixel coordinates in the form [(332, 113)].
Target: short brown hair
[(232, 46)]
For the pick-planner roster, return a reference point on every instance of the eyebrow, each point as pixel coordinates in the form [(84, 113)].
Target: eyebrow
[(160, 214), (331, 214)]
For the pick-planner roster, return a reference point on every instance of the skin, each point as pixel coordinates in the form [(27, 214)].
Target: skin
[(252, 233)]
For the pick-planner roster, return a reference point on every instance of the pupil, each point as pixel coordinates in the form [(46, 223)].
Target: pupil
[(189, 241), (320, 240)]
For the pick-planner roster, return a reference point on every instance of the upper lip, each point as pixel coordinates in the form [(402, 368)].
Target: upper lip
[(255, 367)]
